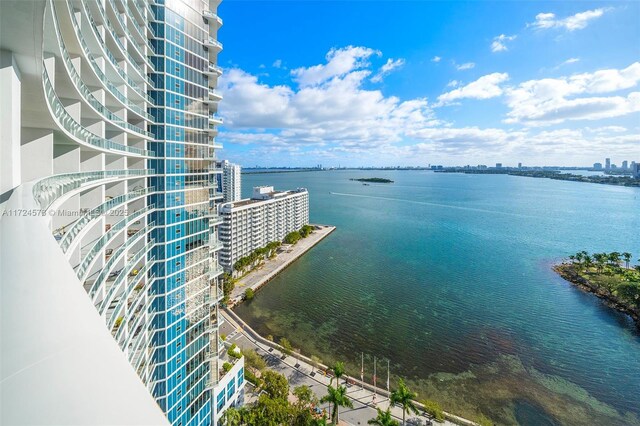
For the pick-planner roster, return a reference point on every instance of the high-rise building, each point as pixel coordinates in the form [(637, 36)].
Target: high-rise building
[(625, 165), (230, 181), (635, 169), (109, 114), (597, 166), (252, 223), (498, 165), (607, 163)]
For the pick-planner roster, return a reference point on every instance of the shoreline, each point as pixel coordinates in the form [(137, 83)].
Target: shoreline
[(308, 364), (568, 273), (278, 265)]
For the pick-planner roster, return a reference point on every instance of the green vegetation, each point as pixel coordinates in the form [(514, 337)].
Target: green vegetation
[(404, 397), (256, 257), (292, 237), (337, 397), (338, 371), (384, 419), (434, 410), (233, 352), (226, 367), (373, 180), (273, 407), (253, 360), (228, 284), (483, 420), (604, 275), (118, 322), (552, 174), (287, 349), (249, 294)]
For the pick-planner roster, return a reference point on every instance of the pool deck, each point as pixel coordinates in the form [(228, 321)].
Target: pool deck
[(286, 256)]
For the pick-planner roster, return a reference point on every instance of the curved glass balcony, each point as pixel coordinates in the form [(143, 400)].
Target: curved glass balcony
[(99, 211), (86, 93), (122, 278), (108, 266), (94, 27), (46, 190), (114, 33), (98, 71), (102, 242), (74, 128)]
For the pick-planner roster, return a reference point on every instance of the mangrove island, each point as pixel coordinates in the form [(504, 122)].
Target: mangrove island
[(373, 180), (610, 276)]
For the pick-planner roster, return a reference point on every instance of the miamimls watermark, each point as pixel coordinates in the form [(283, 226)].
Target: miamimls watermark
[(62, 212)]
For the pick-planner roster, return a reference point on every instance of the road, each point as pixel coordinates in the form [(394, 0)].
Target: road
[(300, 373)]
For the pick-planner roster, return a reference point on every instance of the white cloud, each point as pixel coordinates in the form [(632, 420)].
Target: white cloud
[(436, 59), (554, 100), (466, 66), (486, 87), (329, 105), (277, 63), (389, 66), (453, 83), (337, 119), (575, 22), (339, 63), (499, 43)]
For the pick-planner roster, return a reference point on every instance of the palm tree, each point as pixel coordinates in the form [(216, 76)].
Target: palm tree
[(384, 419), (588, 263), (338, 398), (404, 397), (338, 371), (572, 258), (627, 258), (232, 417), (614, 258)]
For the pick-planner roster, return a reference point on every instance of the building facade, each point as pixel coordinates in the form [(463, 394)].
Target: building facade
[(253, 223), (110, 111), (230, 181)]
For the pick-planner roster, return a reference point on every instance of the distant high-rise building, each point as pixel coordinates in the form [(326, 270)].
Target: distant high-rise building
[(230, 181), (519, 165), (607, 163), (635, 170), (597, 166), (625, 165), (498, 165), (253, 223)]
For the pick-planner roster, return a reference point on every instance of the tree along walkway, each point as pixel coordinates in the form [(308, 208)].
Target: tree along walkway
[(299, 371), (287, 254)]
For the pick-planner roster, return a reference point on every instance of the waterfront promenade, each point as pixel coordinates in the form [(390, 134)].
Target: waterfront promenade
[(297, 369), (272, 267)]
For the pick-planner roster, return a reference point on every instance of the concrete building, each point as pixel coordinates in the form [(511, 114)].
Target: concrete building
[(597, 166), (607, 163), (109, 121), (625, 165), (635, 169), (267, 216), (498, 165), (230, 181)]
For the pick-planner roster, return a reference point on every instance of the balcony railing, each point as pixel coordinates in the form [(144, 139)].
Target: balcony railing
[(65, 120), (99, 211), (98, 70), (46, 190), (212, 42)]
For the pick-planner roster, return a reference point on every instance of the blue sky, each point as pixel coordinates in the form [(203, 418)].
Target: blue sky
[(414, 83)]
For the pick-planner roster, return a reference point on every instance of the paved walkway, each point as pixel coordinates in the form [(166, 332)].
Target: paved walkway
[(299, 372), (260, 276)]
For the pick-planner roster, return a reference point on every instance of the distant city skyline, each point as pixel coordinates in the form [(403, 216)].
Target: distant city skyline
[(444, 83)]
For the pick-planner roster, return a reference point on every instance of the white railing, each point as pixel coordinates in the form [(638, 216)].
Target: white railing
[(46, 190)]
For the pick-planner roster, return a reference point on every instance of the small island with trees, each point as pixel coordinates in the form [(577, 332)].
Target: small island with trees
[(610, 276), (373, 180)]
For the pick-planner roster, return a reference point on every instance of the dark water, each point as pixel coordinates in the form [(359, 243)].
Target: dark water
[(449, 277)]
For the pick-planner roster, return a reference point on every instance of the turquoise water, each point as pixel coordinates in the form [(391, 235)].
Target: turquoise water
[(448, 276)]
